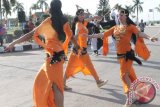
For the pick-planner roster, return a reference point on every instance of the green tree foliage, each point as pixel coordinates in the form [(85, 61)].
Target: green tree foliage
[(158, 8), (5, 7), (43, 3), (137, 7), (104, 9), (18, 7), (117, 6)]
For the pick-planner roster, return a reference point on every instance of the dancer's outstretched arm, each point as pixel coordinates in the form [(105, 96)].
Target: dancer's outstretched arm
[(25, 37), (143, 35)]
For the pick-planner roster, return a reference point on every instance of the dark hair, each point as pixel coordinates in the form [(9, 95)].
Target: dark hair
[(58, 19), (79, 11), (75, 20), (126, 12)]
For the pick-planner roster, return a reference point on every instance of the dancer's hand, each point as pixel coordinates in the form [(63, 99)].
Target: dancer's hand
[(75, 49), (9, 48), (83, 51), (153, 39), (98, 18), (49, 49)]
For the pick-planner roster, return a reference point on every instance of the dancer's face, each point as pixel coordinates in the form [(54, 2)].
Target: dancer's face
[(122, 16), (81, 17)]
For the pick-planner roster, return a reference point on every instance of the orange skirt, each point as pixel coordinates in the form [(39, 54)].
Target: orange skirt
[(43, 95), (80, 64), (126, 67)]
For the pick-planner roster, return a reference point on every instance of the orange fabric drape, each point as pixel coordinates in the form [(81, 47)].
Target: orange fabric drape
[(68, 33), (80, 64), (43, 95), (107, 33), (141, 49), (105, 46)]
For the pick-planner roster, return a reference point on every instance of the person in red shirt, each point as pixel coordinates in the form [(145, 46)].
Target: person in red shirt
[(30, 25)]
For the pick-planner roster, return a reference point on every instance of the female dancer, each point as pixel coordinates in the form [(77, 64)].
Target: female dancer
[(80, 61), (125, 54), (48, 85)]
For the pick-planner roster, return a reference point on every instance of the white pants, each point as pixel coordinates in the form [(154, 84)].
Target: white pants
[(111, 45), (94, 44)]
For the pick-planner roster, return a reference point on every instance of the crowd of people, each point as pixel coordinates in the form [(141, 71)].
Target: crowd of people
[(49, 84)]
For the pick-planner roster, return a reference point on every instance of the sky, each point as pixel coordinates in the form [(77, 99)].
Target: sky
[(69, 6)]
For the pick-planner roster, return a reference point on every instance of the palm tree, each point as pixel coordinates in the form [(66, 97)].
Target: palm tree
[(34, 7), (3, 11), (129, 8), (104, 9), (12, 2), (158, 8), (43, 3), (137, 7), (117, 6), (18, 7), (6, 4), (6, 8)]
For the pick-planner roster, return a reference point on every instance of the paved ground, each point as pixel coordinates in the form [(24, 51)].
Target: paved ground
[(18, 70)]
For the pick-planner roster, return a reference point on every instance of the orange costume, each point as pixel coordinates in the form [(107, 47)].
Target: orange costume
[(141, 49), (81, 63), (122, 36), (43, 94)]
